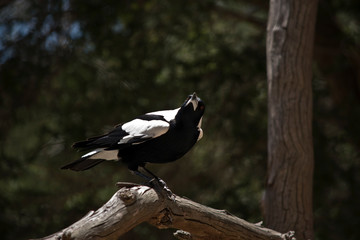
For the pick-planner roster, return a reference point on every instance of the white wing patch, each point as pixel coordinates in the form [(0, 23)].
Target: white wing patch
[(100, 153), (167, 114), (139, 128), (91, 153)]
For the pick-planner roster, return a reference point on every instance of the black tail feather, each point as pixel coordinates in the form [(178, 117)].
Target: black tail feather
[(84, 145), (95, 142), (83, 164)]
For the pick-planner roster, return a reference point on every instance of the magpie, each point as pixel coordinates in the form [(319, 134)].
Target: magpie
[(155, 137)]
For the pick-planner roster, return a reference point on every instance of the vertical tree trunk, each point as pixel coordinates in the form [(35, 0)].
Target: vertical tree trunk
[(288, 195)]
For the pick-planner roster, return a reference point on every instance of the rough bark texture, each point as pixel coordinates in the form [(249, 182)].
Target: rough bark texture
[(131, 206), (288, 195)]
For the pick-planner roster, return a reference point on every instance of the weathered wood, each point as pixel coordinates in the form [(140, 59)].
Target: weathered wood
[(135, 204), (290, 39)]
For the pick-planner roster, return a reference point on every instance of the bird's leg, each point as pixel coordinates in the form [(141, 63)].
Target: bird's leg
[(140, 174), (152, 174), (161, 183), (135, 170)]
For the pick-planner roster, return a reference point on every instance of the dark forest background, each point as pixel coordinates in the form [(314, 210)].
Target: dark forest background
[(73, 69)]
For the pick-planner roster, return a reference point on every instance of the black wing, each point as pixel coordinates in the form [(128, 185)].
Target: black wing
[(139, 130)]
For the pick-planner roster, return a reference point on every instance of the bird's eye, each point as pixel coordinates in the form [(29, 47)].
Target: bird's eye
[(202, 107)]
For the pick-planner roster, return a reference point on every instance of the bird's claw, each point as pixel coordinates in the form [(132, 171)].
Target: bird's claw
[(160, 186)]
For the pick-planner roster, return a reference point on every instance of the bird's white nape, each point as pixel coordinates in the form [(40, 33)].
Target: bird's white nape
[(200, 122), (201, 133), (200, 130)]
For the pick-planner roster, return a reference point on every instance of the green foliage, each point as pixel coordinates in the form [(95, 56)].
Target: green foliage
[(71, 69)]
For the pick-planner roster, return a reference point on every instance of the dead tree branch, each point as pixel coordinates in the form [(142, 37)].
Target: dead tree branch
[(134, 204)]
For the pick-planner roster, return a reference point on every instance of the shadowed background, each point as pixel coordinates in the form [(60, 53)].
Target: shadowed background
[(70, 70)]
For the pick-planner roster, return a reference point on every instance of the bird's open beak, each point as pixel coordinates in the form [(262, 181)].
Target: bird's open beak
[(194, 100)]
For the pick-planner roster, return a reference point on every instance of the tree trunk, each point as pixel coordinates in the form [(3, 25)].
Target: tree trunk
[(288, 194)]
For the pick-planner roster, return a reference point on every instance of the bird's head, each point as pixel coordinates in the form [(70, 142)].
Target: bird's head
[(192, 109)]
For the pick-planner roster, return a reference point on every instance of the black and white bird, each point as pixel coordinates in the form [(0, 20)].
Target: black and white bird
[(155, 137)]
